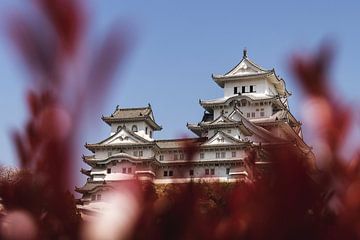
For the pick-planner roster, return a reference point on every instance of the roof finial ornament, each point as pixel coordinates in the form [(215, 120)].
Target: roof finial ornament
[(117, 107), (245, 53)]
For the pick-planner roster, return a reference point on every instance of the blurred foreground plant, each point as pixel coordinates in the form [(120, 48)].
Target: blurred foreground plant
[(292, 202), (65, 78)]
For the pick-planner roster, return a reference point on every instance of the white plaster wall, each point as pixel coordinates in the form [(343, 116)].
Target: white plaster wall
[(102, 154), (270, 88), (208, 154), (140, 125), (199, 171), (260, 86), (169, 155)]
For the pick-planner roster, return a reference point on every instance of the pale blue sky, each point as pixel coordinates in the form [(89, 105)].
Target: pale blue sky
[(178, 46)]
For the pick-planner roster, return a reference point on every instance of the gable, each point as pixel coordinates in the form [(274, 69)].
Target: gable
[(245, 67), (221, 138), (123, 137), (221, 119)]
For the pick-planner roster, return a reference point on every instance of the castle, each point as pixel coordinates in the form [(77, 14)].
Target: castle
[(253, 113)]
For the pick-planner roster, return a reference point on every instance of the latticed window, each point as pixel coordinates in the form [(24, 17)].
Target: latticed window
[(223, 154), (217, 155), (201, 155), (233, 154)]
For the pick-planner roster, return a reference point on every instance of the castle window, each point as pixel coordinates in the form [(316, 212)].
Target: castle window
[(261, 103), (235, 90), (140, 153), (124, 170), (223, 154), (201, 155), (98, 197), (176, 157), (206, 171), (191, 172), (257, 109), (243, 102), (253, 114), (212, 171), (129, 170), (109, 154), (108, 170), (227, 171), (243, 89), (181, 156), (262, 114), (146, 130), (161, 157), (248, 115), (217, 155), (151, 134), (135, 153), (93, 197), (165, 173), (233, 154), (134, 128), (171, 173), (252, 88)]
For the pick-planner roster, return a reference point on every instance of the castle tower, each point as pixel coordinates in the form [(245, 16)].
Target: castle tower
[(253, 114)]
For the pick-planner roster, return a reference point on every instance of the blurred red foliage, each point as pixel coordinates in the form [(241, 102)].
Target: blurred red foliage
[(293, 202), (49, 40)]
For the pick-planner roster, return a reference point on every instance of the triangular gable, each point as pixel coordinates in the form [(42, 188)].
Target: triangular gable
[(262, 134), (245, 67), (221, 138), (221, 119), (123, 136)]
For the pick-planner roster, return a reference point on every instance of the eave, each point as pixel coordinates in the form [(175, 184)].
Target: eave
[(94, 147), (147, 119), (123, 157), (85, 172), (199, 162), (221, 79), (208, 105)]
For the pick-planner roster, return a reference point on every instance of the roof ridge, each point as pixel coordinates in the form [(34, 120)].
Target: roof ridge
[(134, 108), (177, 139)]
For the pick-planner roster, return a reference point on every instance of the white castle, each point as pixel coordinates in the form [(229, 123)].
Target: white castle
[(253, 113)]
